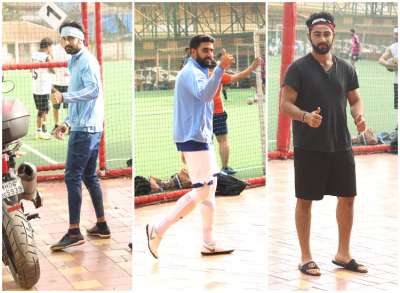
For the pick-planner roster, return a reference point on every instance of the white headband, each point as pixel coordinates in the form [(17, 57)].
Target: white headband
[(70, 31)]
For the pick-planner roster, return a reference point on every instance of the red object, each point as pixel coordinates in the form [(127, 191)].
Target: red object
[(4, 168), (60, 166), (288, 46), (358, 150), (99, 52), (34, 65), (14, 208), (108, 174), (218, 104), (167, 196), (85, 21)]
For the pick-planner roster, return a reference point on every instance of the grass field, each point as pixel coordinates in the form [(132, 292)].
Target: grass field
[(376, 88), (155, 152), (118, 117)]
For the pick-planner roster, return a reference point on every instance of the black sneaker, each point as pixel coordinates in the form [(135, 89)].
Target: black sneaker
[(68, 240), (101, 231), (228, 170)]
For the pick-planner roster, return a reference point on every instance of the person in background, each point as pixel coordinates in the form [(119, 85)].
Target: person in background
[(60, 82), (41, 86), (389, 59), (355, 47)]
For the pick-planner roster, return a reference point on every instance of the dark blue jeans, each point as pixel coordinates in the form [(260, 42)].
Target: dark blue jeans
[(83, 149)]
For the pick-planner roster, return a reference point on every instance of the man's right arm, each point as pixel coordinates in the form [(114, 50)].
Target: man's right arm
[(384, 59), (201, 87), (288, 107)]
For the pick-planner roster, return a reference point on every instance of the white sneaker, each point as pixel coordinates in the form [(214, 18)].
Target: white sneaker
[(43, 135), (213, 249), (153, 240)]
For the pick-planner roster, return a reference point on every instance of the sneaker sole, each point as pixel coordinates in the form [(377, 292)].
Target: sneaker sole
[(58, 248), (217, 252), (148, 242), (102, 236)]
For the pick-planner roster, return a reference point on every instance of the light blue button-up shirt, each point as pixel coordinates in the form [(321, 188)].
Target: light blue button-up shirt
[(85, 93), (193, 102)]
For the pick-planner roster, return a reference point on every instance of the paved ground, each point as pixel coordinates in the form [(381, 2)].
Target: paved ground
[(97, 264), (375, 240), (240, 224)]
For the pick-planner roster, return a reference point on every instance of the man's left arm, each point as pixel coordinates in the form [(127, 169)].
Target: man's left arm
[(357, 109), (90, 88)]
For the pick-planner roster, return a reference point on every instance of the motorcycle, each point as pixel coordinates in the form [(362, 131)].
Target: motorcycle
[(19, 185)]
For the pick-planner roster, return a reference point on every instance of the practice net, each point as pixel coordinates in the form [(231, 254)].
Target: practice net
[(155, 74), (109, 30), (376, 83)]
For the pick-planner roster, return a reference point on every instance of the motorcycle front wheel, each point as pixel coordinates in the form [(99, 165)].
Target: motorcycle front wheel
[(18, 241)]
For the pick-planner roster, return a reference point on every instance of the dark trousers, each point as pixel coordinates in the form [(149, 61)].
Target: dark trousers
[(83, 149)]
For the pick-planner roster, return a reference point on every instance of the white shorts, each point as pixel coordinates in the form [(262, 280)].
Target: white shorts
[(202, 166)]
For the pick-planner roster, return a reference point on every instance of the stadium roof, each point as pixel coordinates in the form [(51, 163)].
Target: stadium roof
[(25, 32)]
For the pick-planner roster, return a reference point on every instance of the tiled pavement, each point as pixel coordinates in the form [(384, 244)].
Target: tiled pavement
[(375, 237), (96, 265), (240, 224)]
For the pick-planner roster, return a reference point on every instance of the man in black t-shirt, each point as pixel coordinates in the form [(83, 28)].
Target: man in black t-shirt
[(315, 94)]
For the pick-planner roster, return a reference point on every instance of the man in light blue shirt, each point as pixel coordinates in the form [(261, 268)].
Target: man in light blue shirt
[(85, 120), (193, 116)]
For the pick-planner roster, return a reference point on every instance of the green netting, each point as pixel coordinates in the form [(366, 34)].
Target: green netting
[(21, 38), (155, 152)]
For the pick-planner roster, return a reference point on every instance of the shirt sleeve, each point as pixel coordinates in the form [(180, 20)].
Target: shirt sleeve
[(226, 78), (203, 88), (292, 77), (66, 121), (90, 87), (352, 79)]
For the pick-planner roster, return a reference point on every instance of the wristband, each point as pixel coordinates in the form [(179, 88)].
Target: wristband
[(304, 116)]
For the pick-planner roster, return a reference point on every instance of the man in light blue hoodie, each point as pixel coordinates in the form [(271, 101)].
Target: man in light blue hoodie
[(193, 116), (85, 119)]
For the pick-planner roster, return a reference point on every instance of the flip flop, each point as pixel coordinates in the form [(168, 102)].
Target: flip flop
[(351, 266), (212, 250), (311, 265)]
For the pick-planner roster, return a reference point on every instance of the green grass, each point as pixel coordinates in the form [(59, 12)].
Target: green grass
[(376, 89), (118, 116), (155, 152)]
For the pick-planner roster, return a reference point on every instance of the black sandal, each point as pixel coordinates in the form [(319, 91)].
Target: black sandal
[(351, 266), (311, 265)]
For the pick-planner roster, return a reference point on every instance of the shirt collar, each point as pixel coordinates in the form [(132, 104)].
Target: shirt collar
[(78, 55), (203, 69)]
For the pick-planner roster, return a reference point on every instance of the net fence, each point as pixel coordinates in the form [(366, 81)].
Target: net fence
[(376, 82), (157, 63), (23, 31)]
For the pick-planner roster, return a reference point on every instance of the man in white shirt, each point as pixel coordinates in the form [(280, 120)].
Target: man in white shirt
[(60, 82), (41, 86), (389, 59)]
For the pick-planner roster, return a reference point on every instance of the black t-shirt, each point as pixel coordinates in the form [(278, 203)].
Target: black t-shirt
[(325, 89)]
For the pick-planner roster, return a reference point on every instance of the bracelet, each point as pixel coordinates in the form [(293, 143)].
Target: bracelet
[(304, 116)]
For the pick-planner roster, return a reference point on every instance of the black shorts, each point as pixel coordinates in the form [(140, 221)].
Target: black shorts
[(219, 123), (355, 57), (324, 173), (61, 89), (395, 95), (42, 102)]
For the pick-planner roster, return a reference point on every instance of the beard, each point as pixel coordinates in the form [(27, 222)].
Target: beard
[(206, 62), (71, 50), (322, 48)]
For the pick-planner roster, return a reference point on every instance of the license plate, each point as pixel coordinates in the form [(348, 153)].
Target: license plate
[(12, 188)]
